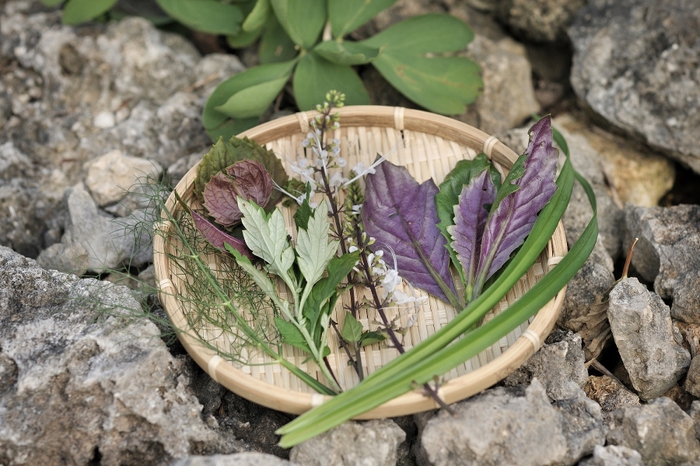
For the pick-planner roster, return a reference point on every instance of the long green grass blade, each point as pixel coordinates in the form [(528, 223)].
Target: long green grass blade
[(360, 399)]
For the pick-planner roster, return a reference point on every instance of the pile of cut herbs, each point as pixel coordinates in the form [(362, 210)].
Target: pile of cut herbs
[(376, 235)]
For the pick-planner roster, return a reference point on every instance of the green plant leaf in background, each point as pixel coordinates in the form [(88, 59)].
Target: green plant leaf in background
[(315, 75), (252, 101), (347, 15), (440, 84), (218, 124), (205, 15), (77, 11), (275, 45), (346, 53), (258, 16), (303, 20)]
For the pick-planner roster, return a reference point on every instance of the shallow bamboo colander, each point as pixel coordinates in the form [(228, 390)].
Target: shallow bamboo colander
[(429, 146)]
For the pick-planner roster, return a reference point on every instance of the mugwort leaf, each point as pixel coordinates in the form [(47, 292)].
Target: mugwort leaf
[(525, 191), (401, 215), (247, 179)]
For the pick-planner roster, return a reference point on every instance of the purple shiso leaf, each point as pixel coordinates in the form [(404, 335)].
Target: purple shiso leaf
[(218, 238), (527, 188), (247, 179), (401, 215), (471, 214)]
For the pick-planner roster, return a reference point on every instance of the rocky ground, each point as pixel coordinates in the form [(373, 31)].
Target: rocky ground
[(85, 109)]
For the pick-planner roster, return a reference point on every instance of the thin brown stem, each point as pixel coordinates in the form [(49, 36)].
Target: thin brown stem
[(355, 361), (378, 305), (628, 260)]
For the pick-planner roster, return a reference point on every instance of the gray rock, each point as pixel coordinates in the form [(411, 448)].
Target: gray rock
[(692, 380), (694, 413), (609, 393), (81, 384), (613, 455), (666, 254), (95, 241), (646, 338), (582, 426), (508, 97), (238, 459), (538, 20), (558, 365), (118, 178), (73, 94), (637, 64), (660, 431), (374, 442), (500, 426)]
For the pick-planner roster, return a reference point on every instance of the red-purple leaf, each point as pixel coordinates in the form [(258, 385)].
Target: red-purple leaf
[(219, 238), (401, 215), (247, 179), (470, 216), (527, 188)]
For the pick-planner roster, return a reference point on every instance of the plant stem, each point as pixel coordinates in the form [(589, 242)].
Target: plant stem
[(378, 305), (343, 344)]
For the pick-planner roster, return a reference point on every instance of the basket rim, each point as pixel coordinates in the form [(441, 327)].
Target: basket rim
[(290, 401)]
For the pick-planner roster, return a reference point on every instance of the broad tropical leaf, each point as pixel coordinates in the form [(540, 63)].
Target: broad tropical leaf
[(347, 15), (205, 15), (302, 20), (78, 11)]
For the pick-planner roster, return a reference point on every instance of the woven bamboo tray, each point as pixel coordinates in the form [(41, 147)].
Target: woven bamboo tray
[(433, 145)]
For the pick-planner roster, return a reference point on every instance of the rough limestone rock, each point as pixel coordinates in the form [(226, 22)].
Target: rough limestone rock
[(81, 385), (648, 343), (506, 426), (72, 94), (238, 459), (666, 254), (637, 64), (374, 442), (692, 380), (660, 431), (582, 425), (613, 455), (633, 174), (558, 365), (609, 393), (538, 20), (95, 241), (116, 178)]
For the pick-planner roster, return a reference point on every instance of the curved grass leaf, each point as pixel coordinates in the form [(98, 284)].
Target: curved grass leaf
[(78, 11), (218, 124), (401, 215), (527, 188), (346, 53), (315, 76), (347, 15), (205, 15), (275, 45), (434, 354), (302, 20)]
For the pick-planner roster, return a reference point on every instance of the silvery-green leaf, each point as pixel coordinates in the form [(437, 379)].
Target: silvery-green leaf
[(313, 246), (266, 237)]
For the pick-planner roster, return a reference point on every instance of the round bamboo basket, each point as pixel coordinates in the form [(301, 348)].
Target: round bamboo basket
[(429, 146)]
